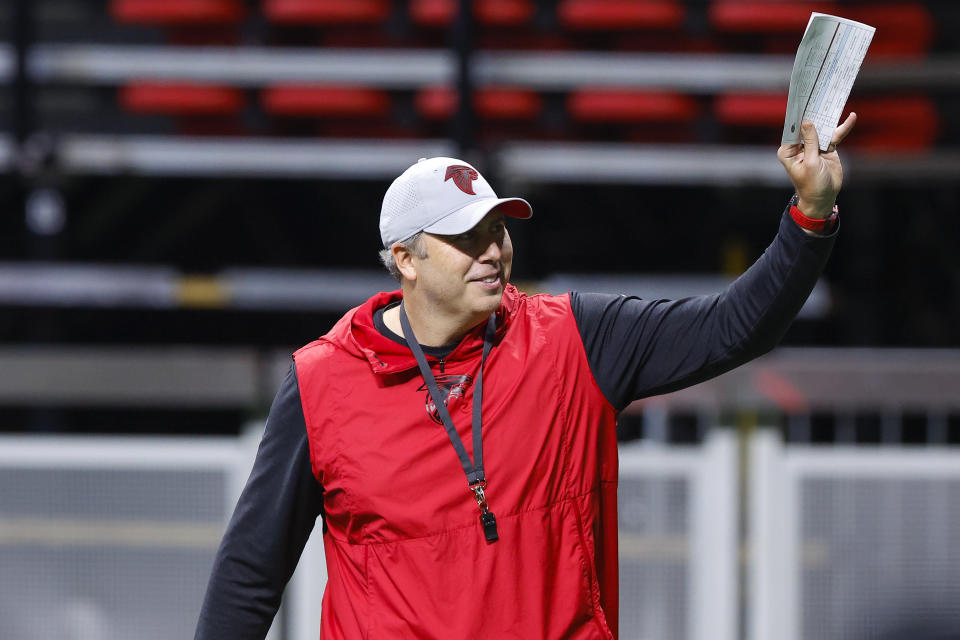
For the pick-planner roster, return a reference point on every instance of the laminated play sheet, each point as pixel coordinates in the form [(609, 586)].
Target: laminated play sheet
[(828, 61)]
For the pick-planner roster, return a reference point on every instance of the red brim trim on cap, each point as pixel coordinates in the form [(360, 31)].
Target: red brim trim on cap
[(465, 218), (516, 208)]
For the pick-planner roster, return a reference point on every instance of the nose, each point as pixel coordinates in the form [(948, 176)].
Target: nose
[(492, 252)]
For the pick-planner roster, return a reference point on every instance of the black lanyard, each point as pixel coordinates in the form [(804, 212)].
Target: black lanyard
[(476, 480)]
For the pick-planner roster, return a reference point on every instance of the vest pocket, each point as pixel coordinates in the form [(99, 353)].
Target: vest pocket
[(537, 581), (591, 582)]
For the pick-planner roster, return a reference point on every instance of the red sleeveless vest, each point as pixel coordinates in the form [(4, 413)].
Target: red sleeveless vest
[(406, 557)]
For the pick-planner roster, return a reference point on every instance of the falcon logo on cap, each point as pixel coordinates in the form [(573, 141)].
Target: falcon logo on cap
[(463, 176)]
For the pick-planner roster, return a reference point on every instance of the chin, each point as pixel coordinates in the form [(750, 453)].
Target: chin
[(489, 302)]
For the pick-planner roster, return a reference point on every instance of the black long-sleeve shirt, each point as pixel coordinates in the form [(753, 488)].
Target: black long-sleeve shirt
[(635, 347)]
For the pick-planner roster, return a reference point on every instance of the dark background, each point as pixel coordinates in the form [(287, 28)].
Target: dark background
[(893, 278)]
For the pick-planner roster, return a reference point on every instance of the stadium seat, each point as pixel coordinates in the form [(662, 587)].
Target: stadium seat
[(180, 99), (631, 106), (621, 14), (177, 12), (903, 29), (494, 103), (909, 123), (326, 11), (325, 101), (900, 122), (756, 16), (751, 109), (503, 13)]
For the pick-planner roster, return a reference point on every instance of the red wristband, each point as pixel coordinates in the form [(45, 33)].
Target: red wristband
[(814, 224)]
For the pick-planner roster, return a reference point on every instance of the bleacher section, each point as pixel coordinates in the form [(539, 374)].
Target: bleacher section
[(202, 135), (674, 37)]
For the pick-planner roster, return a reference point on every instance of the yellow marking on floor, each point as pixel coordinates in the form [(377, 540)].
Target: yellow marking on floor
[(202, 291)]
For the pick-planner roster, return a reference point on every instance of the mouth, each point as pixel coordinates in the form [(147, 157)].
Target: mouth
[(491, 281)]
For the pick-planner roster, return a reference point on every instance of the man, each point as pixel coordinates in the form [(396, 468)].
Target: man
[(458, 436)]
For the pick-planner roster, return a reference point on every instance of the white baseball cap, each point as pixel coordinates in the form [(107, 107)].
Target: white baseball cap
[(441, 195)]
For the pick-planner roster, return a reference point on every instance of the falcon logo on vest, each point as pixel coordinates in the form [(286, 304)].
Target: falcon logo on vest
[(463, 176), (451, 386)]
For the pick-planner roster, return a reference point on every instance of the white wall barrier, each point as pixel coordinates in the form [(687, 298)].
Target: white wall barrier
[(853, 542), (678, 540), (113, 538)]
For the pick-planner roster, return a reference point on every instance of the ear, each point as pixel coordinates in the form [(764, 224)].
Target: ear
[(405, 260)]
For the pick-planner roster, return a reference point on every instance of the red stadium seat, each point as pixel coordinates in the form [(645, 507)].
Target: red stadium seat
[(180, 99), (751, 109), (631, 106), (326, 11), (903, 29), (901, 122), (504, 13), (325, 101), (494, 103), (177, 12), (621, 14), (756, 16), (896, 123)]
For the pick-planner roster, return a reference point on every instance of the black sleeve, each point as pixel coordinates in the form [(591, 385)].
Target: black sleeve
[(638, 348), (269, 528)]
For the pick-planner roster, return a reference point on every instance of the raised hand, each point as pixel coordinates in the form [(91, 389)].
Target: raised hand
[(817, 176)]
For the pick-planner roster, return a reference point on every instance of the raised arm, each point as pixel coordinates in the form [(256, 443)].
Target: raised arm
[(270, 526), (639, 348)]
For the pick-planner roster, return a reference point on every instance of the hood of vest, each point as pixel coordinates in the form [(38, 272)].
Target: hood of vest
[(356, 334)]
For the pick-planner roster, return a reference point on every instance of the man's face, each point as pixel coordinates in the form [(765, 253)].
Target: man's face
[(466, 273)]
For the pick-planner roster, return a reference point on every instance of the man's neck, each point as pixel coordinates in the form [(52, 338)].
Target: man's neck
[(430, 329)]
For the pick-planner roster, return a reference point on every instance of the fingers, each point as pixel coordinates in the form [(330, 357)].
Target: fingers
[(789, 154), (789, 150), (785, 152), (841, 132), (811, 144), (810, 141)]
